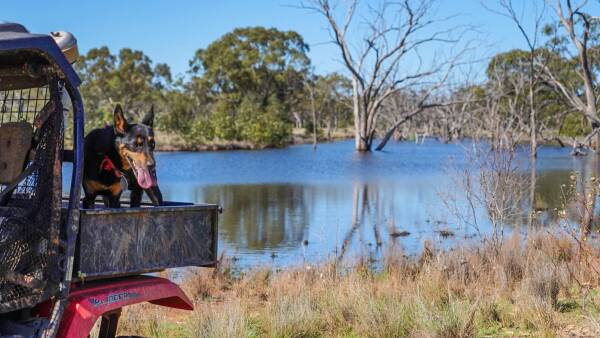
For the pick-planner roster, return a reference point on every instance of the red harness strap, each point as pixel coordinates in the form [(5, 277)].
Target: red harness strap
[(108, 165)]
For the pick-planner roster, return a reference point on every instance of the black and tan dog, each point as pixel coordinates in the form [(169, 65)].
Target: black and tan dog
[(121, 151)]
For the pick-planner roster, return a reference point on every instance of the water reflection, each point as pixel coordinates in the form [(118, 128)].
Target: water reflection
[(262, 217), (574, 191), (549, 189), (367, 211), (293, 223)]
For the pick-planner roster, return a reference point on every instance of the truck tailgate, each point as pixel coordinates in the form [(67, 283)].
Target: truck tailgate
[(128, 241)]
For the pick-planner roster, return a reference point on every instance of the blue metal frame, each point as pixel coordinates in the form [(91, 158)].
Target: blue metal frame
[(13, 39)]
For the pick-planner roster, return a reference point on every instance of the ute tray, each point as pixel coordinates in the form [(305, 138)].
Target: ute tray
[(132, 241)]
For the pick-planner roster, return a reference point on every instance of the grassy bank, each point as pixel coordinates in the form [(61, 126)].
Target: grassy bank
[(545, 285), (174, 142)]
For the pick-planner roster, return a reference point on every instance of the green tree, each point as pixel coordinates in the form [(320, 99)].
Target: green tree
[(129, 78), (187, 107), (512, 72), (331, 97), (254, 79), (334, 102), (246, 86)]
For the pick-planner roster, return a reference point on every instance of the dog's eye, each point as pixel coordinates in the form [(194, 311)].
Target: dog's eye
[(151, 144)]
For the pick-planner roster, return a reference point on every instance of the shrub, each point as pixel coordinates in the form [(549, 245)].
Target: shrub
[(200, 131), (222, 124), (263, 126), (575, 125)]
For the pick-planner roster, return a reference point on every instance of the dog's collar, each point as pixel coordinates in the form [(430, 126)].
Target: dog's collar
[(108, 165)]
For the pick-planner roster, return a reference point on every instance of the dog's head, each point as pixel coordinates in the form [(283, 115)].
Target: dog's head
[(135, 144)]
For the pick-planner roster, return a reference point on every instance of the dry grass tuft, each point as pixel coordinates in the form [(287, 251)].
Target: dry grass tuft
[(542, 285), (219, 321)]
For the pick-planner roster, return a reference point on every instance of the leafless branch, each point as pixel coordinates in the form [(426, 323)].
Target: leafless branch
[(395, 31)]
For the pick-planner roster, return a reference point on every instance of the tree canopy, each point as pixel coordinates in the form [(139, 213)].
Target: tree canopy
[(129, 78), (253, 78), (256, 85)]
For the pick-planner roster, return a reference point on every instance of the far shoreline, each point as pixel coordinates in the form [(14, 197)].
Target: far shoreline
[(170, 143), (174, 143)]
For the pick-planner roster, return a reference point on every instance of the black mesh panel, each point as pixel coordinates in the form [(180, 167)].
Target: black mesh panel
[(30, 215)]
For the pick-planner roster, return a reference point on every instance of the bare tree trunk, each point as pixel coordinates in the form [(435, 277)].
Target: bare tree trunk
[(391, 131), (532, 121), (589, 197), (314, 117), (359, 136), (386, 138), (532, 186)]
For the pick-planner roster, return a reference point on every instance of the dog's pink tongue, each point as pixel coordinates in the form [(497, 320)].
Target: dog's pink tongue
[(144, 178)]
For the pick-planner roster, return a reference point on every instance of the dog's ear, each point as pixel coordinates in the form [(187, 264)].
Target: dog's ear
[(120, 123), (148, 120)]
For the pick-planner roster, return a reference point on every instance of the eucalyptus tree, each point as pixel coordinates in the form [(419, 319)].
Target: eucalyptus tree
[(255, 77), (129, 77), (335, 95)]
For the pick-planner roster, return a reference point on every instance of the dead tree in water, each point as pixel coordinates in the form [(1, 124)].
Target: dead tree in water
[(310, 87), (394, 32), (420, 104), (501, 114), (578, 26), (446, 116), (531, 38), (456, 118)]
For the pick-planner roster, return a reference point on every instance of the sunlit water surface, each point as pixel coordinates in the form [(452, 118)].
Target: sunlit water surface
[(296, 205)]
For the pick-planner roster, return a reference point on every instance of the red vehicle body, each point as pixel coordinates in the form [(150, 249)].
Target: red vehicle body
[(105, 298)]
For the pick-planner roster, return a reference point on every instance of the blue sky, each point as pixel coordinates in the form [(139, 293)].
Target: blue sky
[(171, 31)]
